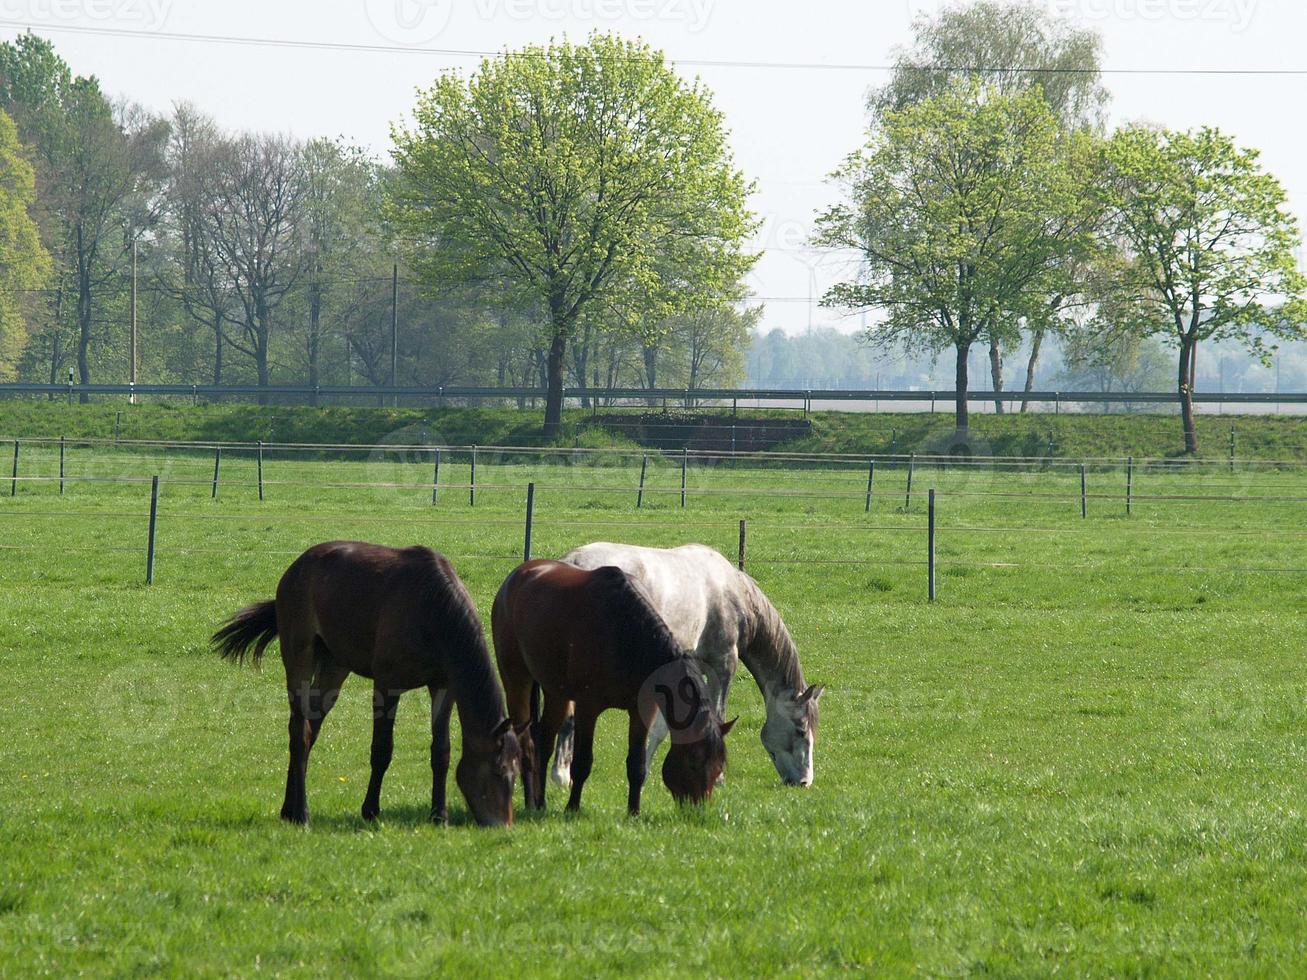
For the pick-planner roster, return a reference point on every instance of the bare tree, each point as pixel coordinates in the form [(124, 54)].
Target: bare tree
[(254, 213)]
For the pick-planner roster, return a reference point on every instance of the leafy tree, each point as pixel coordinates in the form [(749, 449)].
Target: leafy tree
[(24, 262), (574, 174), (983, 43), (966, 208), (1209, 246)]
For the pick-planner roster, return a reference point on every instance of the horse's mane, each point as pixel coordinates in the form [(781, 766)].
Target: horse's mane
[(650, 642), (458, 626), (769, 651)]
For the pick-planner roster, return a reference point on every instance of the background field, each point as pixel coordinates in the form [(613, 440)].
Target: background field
[(1086, 756)]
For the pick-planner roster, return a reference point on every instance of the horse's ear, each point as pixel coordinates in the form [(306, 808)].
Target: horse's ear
[(813, 693), (728, 725), (502, 729)]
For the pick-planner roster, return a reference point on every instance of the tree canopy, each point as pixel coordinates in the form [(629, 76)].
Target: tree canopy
[(575, 176)]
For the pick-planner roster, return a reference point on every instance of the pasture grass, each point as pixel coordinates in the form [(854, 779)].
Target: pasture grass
[(1086, 757)]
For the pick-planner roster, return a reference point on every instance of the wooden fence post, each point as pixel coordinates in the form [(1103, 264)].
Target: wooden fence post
[(639, 494), (912, 461), (435, 480), (61, 465), (1084, 500), (741, 561), (871, 478), (217, 463), (13, 485), (685, 462), (472, 481), (154, 516), (260, 459)]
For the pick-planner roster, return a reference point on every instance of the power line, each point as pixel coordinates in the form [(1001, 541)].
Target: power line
[(827, 66)]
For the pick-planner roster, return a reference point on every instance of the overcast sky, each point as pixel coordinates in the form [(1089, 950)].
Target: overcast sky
[(790, 126)]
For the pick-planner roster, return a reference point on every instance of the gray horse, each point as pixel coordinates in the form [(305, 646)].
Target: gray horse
[(721, 615)]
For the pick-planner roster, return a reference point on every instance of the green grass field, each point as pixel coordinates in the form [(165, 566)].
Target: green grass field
[(1086, 757)]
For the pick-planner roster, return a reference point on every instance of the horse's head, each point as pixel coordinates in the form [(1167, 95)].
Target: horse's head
[(692, 768), (789, 731), (486, 773)]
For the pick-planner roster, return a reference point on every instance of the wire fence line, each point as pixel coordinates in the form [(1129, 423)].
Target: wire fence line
[(569, 453)]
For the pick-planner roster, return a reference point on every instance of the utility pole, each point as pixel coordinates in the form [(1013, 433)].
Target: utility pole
[(133, 346), (394, 331)]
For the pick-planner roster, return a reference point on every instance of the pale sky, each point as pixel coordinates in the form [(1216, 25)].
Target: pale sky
[(790, 126)]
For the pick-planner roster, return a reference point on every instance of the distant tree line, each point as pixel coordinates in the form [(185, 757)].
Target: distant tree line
[(991, 210), (608, 252)]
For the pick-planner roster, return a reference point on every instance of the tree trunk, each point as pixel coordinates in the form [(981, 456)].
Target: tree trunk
[(580, 359), (217, 348), (1036, 341), (83, 327), (315, 342), (650, 355), (996, 372), (1186, 391), (961, 384), (554, 385)]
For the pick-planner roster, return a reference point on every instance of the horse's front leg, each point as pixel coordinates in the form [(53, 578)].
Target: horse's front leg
[(637, 767), (657, 731), (441, 703), (384, 705), (583, 756)]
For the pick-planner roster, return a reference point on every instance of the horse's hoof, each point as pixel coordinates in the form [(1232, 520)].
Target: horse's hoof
[(371, 812), (440, 817), (296, 818)]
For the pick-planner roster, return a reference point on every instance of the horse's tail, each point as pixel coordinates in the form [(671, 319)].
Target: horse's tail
[(254, 626)]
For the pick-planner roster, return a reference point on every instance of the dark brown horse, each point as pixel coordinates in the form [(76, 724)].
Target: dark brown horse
[(401, 618), (593, 638)]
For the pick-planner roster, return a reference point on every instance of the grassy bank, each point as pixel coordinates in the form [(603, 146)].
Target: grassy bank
[(1070, 435)]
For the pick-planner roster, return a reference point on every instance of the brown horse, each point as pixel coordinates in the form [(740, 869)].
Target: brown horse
[(401, 618), (593, 638)]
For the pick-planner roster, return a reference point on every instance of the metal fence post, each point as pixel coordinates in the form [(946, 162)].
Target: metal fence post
[(472, 481), (154, 517), (930, 545), (435, 480), (1084, 501), (260, 461), (912, 461), (685, 462), (61, 465), (13, 486), (871, 478), (530, 516), (741, 560), (217, 463), (1129, 483), (1231, 449), (639, 494)]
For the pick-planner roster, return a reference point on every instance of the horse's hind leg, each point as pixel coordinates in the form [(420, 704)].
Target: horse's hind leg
[(441, 703), (583, 759), (297, 657), (553, 717), (384, 704), (323, 694), (561, 773)]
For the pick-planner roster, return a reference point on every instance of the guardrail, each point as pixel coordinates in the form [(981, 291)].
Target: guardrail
[(680, 395)]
